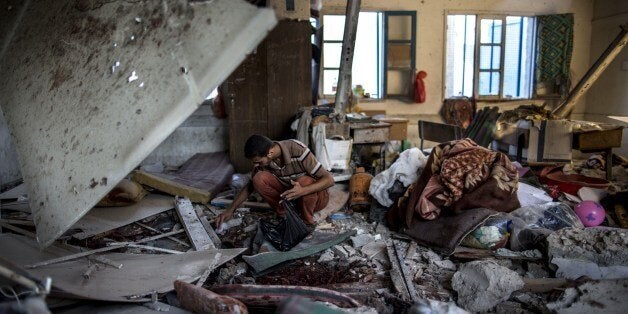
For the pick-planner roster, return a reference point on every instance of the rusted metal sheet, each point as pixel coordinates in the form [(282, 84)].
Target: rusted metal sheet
[(201, 300), (269, 295), (90, 88)]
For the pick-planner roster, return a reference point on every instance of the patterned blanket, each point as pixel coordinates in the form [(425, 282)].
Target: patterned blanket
[(461, 175)]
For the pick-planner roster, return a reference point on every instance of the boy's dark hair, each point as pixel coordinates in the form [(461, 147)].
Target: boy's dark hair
[(257, 146)]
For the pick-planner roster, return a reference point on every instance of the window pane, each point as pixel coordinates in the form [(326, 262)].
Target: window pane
[(488, 53), (489, 83), (367, 52), (491, 31), (399, 82), (331, 55), (365, 70), (518, 57), (460, 55), (330, 82), (399, 27), (333, 27), (399, 55)]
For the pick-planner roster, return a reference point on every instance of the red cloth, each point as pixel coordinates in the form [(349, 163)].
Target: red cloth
[(270, 188), (419, 87)]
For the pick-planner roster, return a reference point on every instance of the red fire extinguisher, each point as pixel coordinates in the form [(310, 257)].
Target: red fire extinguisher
[(419, 87)]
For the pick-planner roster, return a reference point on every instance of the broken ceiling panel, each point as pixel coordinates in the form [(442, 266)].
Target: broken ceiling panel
[(140, 275), (89, 89)]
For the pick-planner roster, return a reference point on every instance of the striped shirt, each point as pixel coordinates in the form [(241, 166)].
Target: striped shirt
[(297, 160)]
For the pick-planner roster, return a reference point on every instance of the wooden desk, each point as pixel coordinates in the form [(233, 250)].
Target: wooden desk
[(596, 141), (370, 132), (375, 133)]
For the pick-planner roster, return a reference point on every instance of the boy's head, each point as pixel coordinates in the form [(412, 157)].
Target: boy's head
[(257, 149)]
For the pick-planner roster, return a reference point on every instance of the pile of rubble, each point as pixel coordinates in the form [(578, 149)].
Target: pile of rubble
[(162, 252)]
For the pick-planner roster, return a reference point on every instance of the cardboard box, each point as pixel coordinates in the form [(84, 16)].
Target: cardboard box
[(398, 128), (547, 140), (539, 140), (339, 153)]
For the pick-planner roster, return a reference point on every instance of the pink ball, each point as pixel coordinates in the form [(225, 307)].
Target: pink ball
[(590, 213)]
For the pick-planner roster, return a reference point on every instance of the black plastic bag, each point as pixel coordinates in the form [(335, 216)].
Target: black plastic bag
[(288, 232)]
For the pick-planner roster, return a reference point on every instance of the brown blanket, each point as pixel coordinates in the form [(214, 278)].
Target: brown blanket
[(459, 175), (445, 233)]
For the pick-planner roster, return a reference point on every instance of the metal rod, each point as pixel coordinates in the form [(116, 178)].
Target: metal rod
[(150, 248), (169, 237), (159, 236), (105, 261), (615, 47), (18, 222), (26, 282), (346, 55), (89, 271), (18, 230), (77, 255)]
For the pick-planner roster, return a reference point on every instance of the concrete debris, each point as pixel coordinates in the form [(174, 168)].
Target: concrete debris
[(375, 250), (574, 269), (340, 251), (361, 239), (428, 306), (483, 284), (429, 256), (608, 296), (603, 246), (222, 229), (510, 307), (446, 264), (599, 253), (536, 271), (528, 254), (533, 302), (327, 256)]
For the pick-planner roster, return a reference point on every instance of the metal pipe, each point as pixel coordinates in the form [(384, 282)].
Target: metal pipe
[(565, 108), (346, 55)]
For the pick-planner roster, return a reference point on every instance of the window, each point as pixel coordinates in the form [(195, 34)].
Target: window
[(486, 60), (384, 53)]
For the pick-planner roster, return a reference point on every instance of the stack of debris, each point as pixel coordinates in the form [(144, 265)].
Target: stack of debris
[(157, 248)]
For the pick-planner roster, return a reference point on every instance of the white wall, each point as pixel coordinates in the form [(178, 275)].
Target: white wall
[(431, 42), (609, 94)]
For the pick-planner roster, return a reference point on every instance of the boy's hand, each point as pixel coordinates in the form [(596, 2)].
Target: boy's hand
[(294, 193), (222, 218)]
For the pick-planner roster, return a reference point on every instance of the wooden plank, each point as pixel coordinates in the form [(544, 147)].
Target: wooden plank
[(407, 276), (210, 231), (597, 140), (396, 275), (193, 226), (170, 187)]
